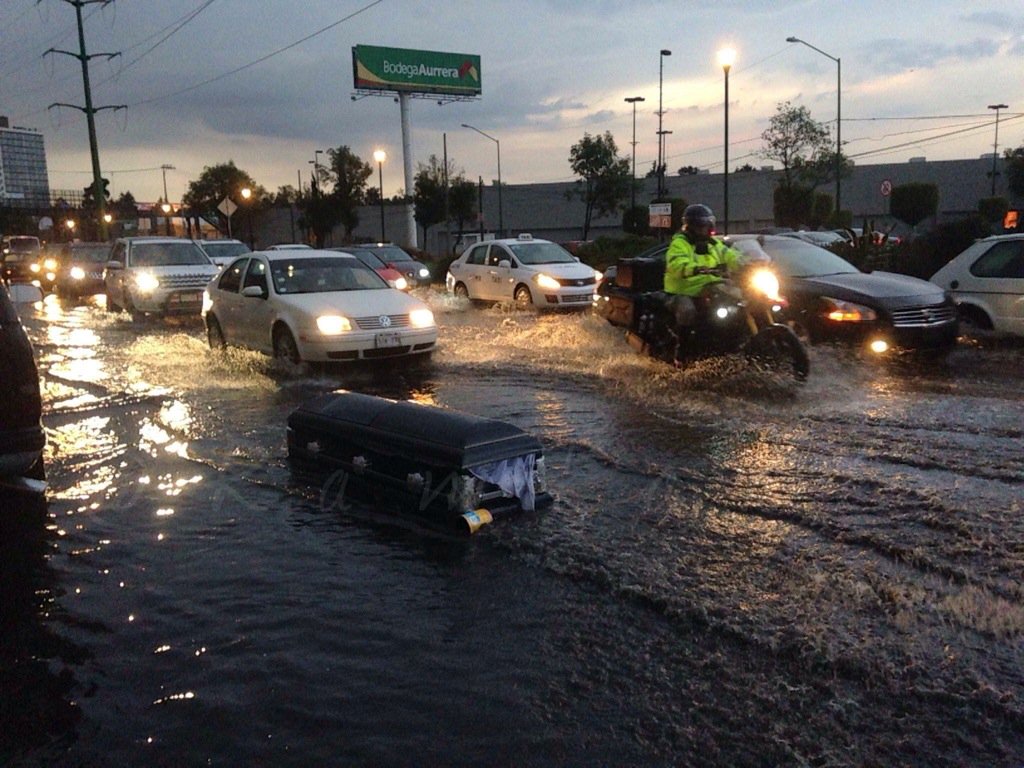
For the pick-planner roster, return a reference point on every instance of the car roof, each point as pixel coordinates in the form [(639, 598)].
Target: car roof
[(155, 239), (300, 253), (204, 241)]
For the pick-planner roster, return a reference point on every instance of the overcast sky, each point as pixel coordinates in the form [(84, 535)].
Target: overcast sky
[(267, 82)]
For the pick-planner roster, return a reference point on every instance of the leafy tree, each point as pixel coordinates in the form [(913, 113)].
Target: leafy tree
[(745, 168), (604, 177), (462, 199), (215, 183), (287, 195), (1015, 170), (993, 209), (429, 200), (806, 152), (688, 170), (348, 174), (636, 220), (913, 203)]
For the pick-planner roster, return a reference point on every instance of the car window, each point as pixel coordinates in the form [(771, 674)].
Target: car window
[(497, 255), (225, 250), (256, 275), (369, 259), (391, 253), (1005, 259), (180, 254), (231, 279), (541, 253), (323, 275), (477, 255), (117, 252)]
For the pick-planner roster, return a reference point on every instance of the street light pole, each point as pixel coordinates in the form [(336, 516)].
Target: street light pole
[(501, 218), (632, 189), (165, 168), (246, 195), (995, 144), (839, 113), (315, 189), (661, 134), (380, 156), (726, 57)]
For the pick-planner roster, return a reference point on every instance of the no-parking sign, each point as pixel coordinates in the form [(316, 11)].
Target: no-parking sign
[(886, 188)]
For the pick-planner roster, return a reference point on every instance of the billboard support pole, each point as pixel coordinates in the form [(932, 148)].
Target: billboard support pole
[(410, 181)]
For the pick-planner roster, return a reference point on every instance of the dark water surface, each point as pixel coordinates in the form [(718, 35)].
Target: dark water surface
[(734, 572)]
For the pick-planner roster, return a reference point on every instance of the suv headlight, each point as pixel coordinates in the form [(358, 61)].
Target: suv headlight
[(333, 325), (547, 282), (77, 273), (146, 282)]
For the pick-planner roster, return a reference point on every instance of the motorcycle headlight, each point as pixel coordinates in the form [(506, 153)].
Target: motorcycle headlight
[(421, 318), (547, 282), (77, 273), (146, 282), (839, 311), (764, 281), (332, 325)]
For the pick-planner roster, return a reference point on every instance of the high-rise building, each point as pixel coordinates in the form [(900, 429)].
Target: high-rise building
[(24, 181)]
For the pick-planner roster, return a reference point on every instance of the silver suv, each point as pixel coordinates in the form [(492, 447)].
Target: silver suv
[(157, 275)]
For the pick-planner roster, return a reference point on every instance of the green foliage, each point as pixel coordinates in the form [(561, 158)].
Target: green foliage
[(993, 209), (215, 183), (605, 178), (605, 251), (429, 199), (913, 203), (821, 210), (636, 220), (348, 174), (1015, 170), (792, 205)]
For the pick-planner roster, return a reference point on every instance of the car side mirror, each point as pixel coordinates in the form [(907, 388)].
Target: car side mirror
[(505, 264), (576, 257), (254, 292), (114, 265)]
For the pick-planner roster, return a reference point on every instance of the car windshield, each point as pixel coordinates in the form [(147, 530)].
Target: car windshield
[(323, 275), (23, 245), (391, 253), (94, 254), (541, 253), (796, 258), (180, 254), (369, 259), (225, 250)]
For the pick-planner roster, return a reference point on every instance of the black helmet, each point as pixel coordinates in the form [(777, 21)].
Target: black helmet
[(698, 220)]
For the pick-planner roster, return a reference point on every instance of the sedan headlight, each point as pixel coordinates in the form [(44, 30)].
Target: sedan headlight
[(332, 325), (424, 273), (146, 282), (77, 273), (547, 282), (764, 281), (401, 284), (840, 311), (421, 318)]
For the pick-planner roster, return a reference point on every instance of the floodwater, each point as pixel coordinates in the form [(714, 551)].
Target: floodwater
[(735, 571)]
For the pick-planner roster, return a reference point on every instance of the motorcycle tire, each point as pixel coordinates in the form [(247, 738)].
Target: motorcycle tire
[(777, 347)]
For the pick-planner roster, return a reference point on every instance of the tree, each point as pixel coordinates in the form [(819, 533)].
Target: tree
[(462, 198), (993, 209), (429, 193), (745, 168), (1015, 170), (348, 173), (605, 177), (806, 152), (913, 203), (688, 170), (215, 183)]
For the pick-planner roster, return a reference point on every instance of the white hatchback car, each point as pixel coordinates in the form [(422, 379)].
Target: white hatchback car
[(525, 271), (316, 306), (987, 283)]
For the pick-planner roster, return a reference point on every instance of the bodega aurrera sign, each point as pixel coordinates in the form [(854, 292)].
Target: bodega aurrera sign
[(403, 69)]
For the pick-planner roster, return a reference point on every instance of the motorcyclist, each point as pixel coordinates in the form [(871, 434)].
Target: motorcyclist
[(695, 258)]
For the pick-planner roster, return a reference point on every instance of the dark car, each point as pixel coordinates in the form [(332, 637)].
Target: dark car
[(21, 432), (392, 255), (21, 256), (80, 269), (829, 299)]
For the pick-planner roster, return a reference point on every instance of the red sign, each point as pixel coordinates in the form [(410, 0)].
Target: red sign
[(886, 189)]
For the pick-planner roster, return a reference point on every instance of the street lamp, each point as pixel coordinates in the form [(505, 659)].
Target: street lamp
[(726, 57), (316, 172), (380, 156), (839, 117), (70, 224), (166, 208), (501, 220), (995, 145), (246, 194), (661, 134), (632, 189)]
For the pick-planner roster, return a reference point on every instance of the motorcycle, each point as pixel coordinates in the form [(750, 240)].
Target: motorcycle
[(742, 315)]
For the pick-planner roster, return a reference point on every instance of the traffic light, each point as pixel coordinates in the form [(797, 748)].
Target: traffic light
[(105, 183)]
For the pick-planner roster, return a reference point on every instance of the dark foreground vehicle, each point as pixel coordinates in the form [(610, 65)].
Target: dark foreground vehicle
[(830, 300), (80, 269), (21, 433)]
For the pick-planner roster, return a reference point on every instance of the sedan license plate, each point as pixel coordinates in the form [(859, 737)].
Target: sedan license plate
[(388, 340)]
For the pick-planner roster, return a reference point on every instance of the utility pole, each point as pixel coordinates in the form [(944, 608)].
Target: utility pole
[(89, 110)]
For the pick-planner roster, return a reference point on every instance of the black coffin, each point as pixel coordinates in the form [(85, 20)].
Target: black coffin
[(416, 458)]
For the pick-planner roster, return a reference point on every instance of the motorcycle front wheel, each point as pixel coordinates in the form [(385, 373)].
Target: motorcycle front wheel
[(778, 348)]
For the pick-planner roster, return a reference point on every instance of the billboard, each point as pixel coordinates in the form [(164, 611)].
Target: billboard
[(403, 69)]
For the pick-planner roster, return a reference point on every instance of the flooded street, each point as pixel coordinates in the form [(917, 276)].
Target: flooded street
[(735, 571)]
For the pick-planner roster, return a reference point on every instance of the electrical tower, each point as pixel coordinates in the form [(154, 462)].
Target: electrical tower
[(98, 187)]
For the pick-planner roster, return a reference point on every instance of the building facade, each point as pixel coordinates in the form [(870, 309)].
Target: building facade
[(24, 181)]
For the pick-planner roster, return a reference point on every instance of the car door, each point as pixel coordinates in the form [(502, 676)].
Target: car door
[(499, 273), (998, 274), (227, 300), (473, 272), (114, 280), (256, 313)]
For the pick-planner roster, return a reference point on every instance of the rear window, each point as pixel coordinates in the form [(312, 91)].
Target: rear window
[(1004, 259)]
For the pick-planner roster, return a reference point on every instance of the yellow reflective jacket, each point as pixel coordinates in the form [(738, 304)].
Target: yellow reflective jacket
[(682, 259)]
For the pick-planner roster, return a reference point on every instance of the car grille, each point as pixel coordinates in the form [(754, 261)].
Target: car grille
[(176, 282), (381, 322), (576, 281), (923, 317), (582, 298)]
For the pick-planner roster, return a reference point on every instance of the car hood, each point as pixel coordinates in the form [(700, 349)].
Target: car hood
[(371, 303), (878, 285)]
